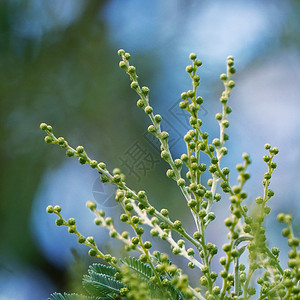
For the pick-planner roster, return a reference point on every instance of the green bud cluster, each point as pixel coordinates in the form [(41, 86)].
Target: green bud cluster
[(245, 227)]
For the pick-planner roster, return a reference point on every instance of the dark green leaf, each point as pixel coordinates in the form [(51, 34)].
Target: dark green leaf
[(99, 285), (58, 296), (141, 268), (102, 269), (157, 257)]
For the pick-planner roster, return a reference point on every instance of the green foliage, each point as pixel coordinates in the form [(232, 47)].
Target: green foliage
[(152, 275), (141, 282), (141, 268), (102, 269), (65, 296), (100, 282)]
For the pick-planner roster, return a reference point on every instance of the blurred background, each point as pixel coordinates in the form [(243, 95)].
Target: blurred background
[(59, 65)]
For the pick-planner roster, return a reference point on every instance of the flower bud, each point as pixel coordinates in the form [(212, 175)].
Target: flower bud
[(121, 52), (80, 149), (123, 218), (141, 194), (123, 65), (158, 118), (198, 62), (50, 209), (71, 221), (91, 205), (184, 95), (134, 85), (232, 70), (147, 245), (176, 251), (139, 230), (231, 84), (59, 222), (48, 139), (92, 252), (145, 90), (164, 135), (223, 77), (189, 69), (43, 126), (274, 150), (181, 182), (197, 235), (148, 110), (193, 56), (81, 239), (57, 208), (177, 224), (90, 240), (93, 163), (165, 155)]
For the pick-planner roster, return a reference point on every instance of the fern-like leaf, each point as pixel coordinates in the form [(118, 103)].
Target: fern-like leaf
[(65, 296), (173, 292), (100, 285), (141, 268), (102, 269), (157, 257)]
